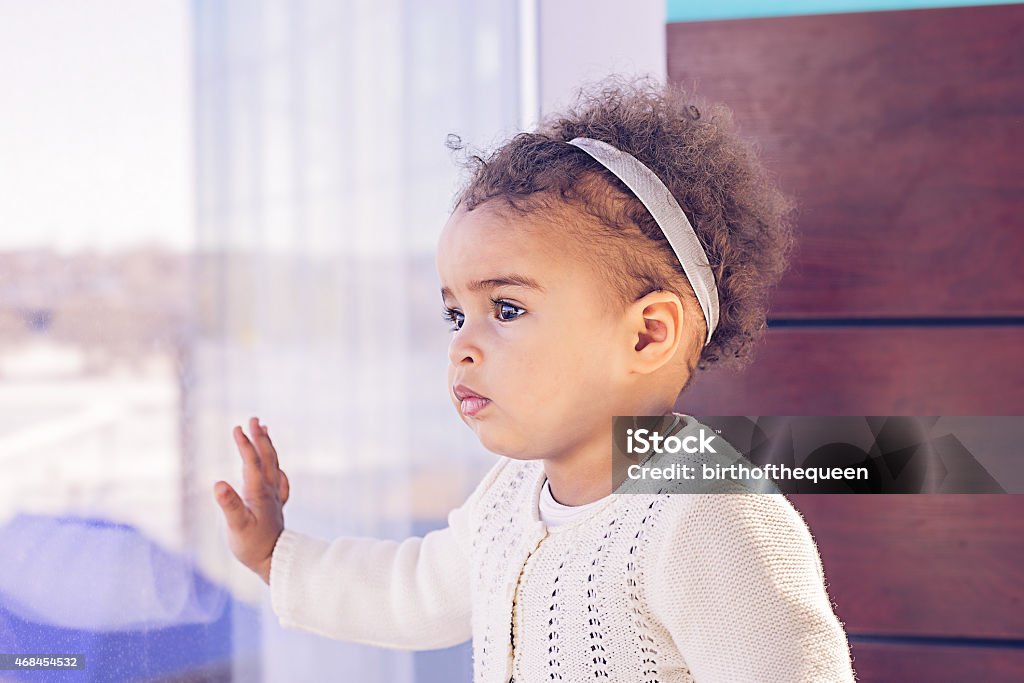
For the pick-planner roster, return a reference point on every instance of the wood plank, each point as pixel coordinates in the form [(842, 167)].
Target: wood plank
[(885, 663), (870, 371), (924, 565), (900, 135)]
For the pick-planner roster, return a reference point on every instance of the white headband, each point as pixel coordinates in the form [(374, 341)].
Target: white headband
[(649, 189)]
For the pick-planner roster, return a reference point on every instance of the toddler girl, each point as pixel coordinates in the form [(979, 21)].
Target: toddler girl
[(588, 270)]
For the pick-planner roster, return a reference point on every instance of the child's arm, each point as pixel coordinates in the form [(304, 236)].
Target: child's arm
[(413, 594), (738, 583)]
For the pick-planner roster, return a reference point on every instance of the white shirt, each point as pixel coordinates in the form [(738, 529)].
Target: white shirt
[(553, 513)]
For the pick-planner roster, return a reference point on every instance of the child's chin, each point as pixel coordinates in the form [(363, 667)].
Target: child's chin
[(495, 442), (487, 437), (490, 438)]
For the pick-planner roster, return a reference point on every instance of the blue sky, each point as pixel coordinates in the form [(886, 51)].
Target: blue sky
[(691, 10)]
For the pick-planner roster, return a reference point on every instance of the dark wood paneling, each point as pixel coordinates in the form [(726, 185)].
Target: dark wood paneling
[(881, 663), (901, 134), (871, 371), (922, 565)]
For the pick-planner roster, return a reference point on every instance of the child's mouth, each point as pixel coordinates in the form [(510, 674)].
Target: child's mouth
[(471, 405)]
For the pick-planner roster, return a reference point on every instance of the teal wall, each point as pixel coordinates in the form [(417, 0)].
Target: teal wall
[(695, 10)]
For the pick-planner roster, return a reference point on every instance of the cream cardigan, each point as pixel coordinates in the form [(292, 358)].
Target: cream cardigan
[(705, 588)]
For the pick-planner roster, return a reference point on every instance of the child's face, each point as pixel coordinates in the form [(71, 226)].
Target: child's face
[(548, 357)]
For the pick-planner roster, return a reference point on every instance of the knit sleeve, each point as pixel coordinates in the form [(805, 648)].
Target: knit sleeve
[(411, 594), (738, 583)]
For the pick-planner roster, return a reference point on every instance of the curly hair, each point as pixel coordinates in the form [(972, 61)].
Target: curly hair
[(741, 218)]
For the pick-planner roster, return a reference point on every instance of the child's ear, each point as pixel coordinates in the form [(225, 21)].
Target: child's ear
[(657, 329)]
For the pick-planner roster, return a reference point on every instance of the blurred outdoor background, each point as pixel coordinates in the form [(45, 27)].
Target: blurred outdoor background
[(216, 209)]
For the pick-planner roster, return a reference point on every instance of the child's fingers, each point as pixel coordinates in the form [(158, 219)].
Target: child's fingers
[(252, 473), (255, 434), (237, 515), (284, 487), (268, 454)]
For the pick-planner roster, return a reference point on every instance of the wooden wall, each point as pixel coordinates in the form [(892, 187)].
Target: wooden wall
[(901, 135)]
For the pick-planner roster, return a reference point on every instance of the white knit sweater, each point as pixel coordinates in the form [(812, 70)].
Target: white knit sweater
[(670, 588)]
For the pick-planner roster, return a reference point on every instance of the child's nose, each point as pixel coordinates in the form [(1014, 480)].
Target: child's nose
[(464, 346)]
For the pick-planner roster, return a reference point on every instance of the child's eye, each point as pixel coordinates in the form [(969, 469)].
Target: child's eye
[(505, 311), (453, 316)]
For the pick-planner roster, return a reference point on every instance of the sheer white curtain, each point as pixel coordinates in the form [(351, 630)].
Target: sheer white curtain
[(322, 184)]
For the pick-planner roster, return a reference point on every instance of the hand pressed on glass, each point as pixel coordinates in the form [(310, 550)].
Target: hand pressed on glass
[(256, 518)]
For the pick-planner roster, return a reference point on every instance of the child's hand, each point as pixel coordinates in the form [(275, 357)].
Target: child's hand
[(256, 519)]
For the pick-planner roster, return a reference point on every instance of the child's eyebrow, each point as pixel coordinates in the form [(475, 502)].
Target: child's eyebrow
[(507, 280)]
